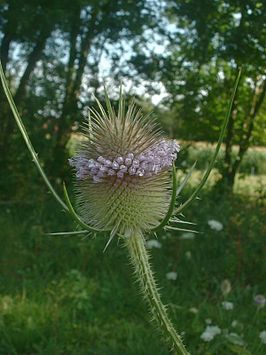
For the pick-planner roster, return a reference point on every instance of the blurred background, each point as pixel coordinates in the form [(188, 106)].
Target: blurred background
[(179, 59)]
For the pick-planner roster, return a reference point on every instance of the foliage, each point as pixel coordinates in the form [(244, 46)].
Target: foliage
[(52, 55), (208, 42), (64, 295), (57, 54)]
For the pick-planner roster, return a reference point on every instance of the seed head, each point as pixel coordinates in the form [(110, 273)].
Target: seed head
[(122, 170)]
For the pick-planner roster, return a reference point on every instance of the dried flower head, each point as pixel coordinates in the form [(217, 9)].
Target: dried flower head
[(122, 170)]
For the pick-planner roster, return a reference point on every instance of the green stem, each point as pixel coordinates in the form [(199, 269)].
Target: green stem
[(140, 260)]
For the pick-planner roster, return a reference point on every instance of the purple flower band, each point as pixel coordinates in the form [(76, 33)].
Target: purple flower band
[(153, 160)]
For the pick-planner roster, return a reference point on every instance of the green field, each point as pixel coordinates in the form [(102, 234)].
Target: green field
[(63, 295)]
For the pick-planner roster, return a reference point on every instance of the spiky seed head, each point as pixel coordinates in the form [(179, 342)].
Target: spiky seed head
[(122, 170)]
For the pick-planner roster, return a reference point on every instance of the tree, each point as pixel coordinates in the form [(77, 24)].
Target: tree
[(208, 41), (218, 38), (92, 30), (60, 46)]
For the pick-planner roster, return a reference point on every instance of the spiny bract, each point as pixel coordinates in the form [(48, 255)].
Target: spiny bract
[(122, 170)]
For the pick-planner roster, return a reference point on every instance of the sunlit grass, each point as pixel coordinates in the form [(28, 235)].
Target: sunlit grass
[(251, 185)]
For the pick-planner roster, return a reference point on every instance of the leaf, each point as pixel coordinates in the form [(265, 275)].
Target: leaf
[(235, 349), (177, 220), (112, 235), (180, 229), (67, 233)]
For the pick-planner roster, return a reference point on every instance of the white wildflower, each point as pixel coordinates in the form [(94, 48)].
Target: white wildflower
[(153, 243), (210, 332), (228, 306), (263, 336), (235, 323), (187, 236), (171, 275), (260, 300), (206, 336), (193, 310), (188, 254), (226, 287), (215, 225)]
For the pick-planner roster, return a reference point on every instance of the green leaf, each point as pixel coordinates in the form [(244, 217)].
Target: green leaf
[(180, 229), (67, 233), (177, 220)]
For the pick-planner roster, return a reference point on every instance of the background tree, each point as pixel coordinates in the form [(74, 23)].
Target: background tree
[(57, 54), (52, 53), (215, 39), (206, 44)]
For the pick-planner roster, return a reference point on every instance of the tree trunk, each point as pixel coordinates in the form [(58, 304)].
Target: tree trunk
[(227, 178), (232, 167), (4, 54), (259, 95), (73, 84), (70, 78), (5, 45), (33, 58)]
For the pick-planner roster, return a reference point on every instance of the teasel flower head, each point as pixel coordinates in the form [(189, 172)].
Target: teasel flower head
[(123, 170)]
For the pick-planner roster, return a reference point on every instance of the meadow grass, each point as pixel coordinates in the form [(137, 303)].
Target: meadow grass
[(62, 295)]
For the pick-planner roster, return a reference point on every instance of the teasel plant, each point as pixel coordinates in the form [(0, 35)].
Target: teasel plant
[(126, 187)]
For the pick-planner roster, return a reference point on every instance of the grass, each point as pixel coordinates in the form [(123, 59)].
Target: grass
[(62, 295), (254, 161), (254, 186)]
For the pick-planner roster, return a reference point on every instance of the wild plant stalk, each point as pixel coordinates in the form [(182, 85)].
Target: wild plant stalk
[(144, 275), (124, 186)]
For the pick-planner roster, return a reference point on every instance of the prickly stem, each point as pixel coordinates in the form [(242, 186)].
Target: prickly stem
[(140, 260)]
